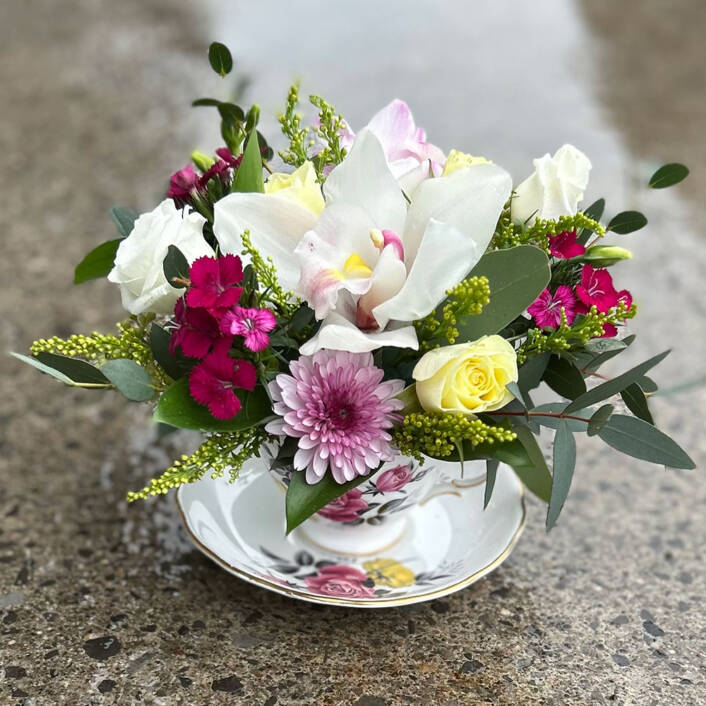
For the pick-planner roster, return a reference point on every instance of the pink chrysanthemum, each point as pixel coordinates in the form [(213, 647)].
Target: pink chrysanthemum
[(197, 332), (213, 282), (336, 404), (564, 245), (213, 382), (546, 309), (252, 324)]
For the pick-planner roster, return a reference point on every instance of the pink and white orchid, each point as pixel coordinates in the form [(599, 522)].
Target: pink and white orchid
[(370, 264), (409, 156)]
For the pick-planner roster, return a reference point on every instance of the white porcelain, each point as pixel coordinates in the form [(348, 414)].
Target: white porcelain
[(447, 542)]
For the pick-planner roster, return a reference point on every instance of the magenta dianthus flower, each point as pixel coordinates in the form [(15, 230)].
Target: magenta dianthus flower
[(213, 382), (564, 245), (197, 332), (252, 324), (213, 282), (546, 309), (182, 184), (338, 407)]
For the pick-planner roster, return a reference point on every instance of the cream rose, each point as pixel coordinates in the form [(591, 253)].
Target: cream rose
[(555, 188), (300, 186), (468, 378), (138, 261)]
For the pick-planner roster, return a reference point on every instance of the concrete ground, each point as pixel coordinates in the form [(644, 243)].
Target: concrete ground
[(101, 603)]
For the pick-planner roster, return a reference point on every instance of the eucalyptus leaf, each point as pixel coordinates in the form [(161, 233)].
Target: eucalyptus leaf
[(564, 462), (564, 378), (177, 407), (98, 263), (636, 402), (131, 379), (599, 419), (595, 362), (491, 472), (124, 219), (70, 371), (205, 102), (594, 212), (175, 365), (303, 500), (516, 276), (248, 177), (616, 385), (220, 58), (647, 384), (639, 439), (668, 175), (175, 267), (627, 222), (532, 371)]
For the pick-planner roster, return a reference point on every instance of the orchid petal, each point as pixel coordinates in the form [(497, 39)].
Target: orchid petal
[(445, 257), (338, 333), (387, 280), (470, 199), (276, 225), (364, 179)]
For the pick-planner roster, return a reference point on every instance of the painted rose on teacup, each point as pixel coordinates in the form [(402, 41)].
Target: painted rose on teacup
[(393, 479), (346, 508), (342, 582)]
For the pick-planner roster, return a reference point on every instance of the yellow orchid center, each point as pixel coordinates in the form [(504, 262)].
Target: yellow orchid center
[(355, 266)]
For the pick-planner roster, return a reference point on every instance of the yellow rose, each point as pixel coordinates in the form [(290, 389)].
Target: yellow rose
[(468, 377), (458, 160), (299, 186), (389, 572)]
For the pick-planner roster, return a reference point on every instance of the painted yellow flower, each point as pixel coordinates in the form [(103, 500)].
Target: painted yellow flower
[(389, 572)]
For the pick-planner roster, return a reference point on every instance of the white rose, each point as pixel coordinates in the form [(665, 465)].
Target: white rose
[(138, 261), (555, 188)]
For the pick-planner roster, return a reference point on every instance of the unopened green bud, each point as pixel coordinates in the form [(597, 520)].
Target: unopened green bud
[(606, 255), (252, 118), (201, 160)]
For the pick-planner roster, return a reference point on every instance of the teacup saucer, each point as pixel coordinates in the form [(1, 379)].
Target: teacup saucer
[(449, 543)]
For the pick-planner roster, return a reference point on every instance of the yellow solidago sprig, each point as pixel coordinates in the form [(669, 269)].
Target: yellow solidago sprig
[(329, 130), (131, 343), (266, 274), (290, 122), (440, 435), (566, 338), (220, 452), (468, 297)]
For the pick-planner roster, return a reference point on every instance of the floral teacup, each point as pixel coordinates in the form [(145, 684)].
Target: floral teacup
[(373, 516)]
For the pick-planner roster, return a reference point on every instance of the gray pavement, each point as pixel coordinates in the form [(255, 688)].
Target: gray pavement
[(101, 603)]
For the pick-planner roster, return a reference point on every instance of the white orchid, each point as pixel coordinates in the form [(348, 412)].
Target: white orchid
[(370, 263)]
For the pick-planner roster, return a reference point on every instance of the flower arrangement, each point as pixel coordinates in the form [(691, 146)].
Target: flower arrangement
[(375, 297)]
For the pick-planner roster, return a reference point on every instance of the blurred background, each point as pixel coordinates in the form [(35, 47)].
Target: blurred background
[(95, 112)]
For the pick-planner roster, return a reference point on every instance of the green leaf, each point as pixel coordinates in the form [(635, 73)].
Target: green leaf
[(220, 58), (668, 175), (597, 346), (248, 178), (207, 102), (594, 212), (627, 222), (564, 378), (647, 384), (599, 419), (535, 476), (124, 219), (303, 500), (636, 402), (491, 472), (531, 372), (563, 471), (559, 408), (98, 263), (231, 113), (178, 408), (593, 363), (176, 365), (639, 439), (131, 379), (70, 371), (517, 276), (175, 266), (616, 385)]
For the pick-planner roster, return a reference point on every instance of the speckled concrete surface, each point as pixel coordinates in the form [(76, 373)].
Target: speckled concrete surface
[(105, 604)]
